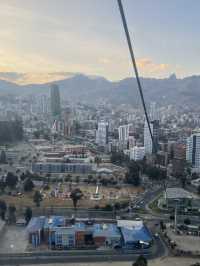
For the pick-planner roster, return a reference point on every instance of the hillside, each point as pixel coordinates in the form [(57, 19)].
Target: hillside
[(84, 88)]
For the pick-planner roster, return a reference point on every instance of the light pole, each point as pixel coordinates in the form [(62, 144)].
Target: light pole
[(176, 214)]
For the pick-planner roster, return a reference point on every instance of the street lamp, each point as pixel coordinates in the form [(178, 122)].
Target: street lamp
[(176, 214)]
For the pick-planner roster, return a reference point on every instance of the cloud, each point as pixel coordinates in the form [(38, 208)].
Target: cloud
[(39, 78), (31, 78), (104, 60), (148, 67)]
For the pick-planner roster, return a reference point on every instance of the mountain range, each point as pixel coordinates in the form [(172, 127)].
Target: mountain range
[(91, 89)]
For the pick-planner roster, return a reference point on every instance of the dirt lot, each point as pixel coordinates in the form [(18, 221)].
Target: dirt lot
[(185, 242), (159, 262), (61, 200)]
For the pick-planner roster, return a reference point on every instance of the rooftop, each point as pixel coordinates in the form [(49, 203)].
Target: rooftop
[(106, 230), (36, 224), (178, 193)]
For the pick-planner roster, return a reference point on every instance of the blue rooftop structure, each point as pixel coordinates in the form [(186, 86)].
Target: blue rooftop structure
[(135, 235), (36, 224), (54, 221), (133, 232)]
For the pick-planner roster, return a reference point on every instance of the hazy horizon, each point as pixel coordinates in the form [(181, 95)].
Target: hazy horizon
[(50, 37)]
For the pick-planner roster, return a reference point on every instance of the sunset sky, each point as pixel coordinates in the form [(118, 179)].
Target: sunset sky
[(50, 39)]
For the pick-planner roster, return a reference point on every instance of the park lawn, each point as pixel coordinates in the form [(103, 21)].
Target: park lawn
[(27, 198)]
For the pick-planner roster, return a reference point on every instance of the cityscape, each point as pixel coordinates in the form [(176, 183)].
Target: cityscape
[(91, 175)]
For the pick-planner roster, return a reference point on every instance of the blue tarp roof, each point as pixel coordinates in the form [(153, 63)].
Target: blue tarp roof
[(54, 221), (36, 224), (136, 234)]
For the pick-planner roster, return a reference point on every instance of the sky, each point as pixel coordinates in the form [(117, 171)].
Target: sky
[(43, 40)]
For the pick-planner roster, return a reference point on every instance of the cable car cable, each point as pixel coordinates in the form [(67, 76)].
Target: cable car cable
[(121, 9)]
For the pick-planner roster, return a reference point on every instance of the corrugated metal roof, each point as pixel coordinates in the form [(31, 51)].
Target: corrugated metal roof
[(130, 224), (134, 235), (178, 193)]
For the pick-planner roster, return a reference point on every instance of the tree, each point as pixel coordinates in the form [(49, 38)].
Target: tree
[(3, 157), (117, 206), (28, 214), (77, 179), (183, 181), (77, 127), (76, 195), (119, 158), (133, 174), (28, 185), (156, 173), (37, 198), (2, 185), (36, 134), (141, 261), (11, 214), (22, 177), (108, 207), (97, 160), (11, 180), (198, 190), (3, 209), (187, 221), (162, 226), (11, 131)]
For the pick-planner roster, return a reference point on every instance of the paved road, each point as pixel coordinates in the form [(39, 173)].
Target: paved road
[(82, 256)]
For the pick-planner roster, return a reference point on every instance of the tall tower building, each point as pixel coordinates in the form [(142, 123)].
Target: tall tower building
[(102, 134), (55, 101), (67, 122), (147, 136), (123, 134), (154, 115), (193, 151), (43, 104)]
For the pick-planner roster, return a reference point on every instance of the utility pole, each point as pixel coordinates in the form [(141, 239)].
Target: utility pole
[(176, 215)]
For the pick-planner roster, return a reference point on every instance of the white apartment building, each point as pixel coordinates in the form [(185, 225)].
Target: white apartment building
[(123, 133), (148, 144), (137, 153), (102, 134), (193, 151)]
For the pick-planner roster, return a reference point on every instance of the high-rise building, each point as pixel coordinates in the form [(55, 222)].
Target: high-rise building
[(55, 102), (43, 104), (67, 122), (193, 151), (154, 115), (123, 134), (147, 136), (102, 134)]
